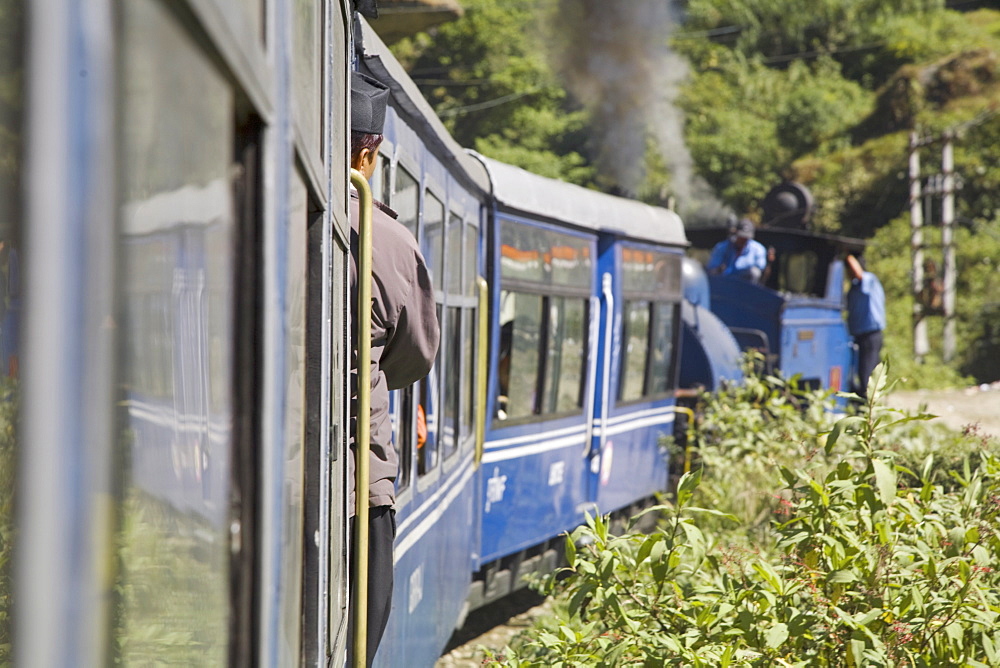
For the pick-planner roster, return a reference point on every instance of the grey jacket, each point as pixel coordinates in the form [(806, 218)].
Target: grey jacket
[(405, 336)]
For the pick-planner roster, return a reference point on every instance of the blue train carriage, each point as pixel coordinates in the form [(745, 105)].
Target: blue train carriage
[(584, 292), (795, 315), (437, 189)]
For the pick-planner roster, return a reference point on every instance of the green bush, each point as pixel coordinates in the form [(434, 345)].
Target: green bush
[(875, 557)]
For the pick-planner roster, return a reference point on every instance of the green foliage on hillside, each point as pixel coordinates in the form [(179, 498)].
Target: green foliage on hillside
[(495, 91), (825, 93)]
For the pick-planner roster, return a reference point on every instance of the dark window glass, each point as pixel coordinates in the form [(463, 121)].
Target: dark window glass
[(635, 345), (456, 264), (661, 348), (470, 259), (520, 338), (434, 238), (468, 371), (452, 386), (565, 355), (431, 409), (408, 433), (427, 412), (798, 272), (406, 199)]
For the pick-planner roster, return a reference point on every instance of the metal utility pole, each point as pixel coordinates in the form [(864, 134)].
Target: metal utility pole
[(920, 344), (947, 230)]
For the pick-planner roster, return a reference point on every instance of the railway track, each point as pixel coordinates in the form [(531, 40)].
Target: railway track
[(493, 627)]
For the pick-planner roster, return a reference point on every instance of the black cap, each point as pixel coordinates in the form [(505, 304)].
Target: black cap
[(744, 228), (368, 100)]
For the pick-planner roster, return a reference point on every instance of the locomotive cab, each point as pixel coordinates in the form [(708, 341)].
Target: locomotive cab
[(794, 316)]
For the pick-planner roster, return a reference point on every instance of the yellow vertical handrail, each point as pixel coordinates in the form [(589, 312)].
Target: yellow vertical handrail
[(362, 437), (482, 361)]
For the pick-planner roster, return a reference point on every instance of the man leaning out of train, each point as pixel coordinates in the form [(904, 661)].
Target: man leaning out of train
[(404, 343)]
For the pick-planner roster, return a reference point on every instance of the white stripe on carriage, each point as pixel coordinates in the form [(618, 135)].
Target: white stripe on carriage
[(534, 449), (636, 424), (666, 412), (502, 443), (408, 541), (433, 498)]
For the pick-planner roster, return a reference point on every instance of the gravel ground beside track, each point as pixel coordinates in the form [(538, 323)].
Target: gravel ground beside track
[(956, 408)]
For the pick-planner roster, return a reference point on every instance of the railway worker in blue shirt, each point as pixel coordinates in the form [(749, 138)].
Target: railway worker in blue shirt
[(739, 255), (865, 318), (405, 335)]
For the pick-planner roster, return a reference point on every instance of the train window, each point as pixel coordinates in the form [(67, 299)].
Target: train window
[(452, 333), (256, 15), (306, 44), (651, 274), (455, 250), (544, 257), (380, 180), (468, 374), (406, 199), (427, 413), (798, 272), (520, 338), (661, 348), (178, 237), (565, 355), (434, 238), (290, 609), (11, 118), (471, 257), (406, 437), (631, 383)]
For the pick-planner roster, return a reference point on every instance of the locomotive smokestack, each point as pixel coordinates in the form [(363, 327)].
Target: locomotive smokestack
[(615, 59)]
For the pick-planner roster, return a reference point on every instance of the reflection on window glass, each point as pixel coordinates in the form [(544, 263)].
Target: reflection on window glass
[(434, 238), (661, 348), (11, 72), (564, 362), (177, 311), (634, 349), (455, 261), (651, 273), (290, 602), (452, 385), (406, 200), (520, 336), (544, 256)]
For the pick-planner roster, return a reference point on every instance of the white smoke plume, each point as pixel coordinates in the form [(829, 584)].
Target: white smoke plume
[(615, 59)]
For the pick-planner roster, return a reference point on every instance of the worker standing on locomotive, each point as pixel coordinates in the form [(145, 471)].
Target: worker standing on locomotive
[(865, 318), (739, 255), (404, 342)]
